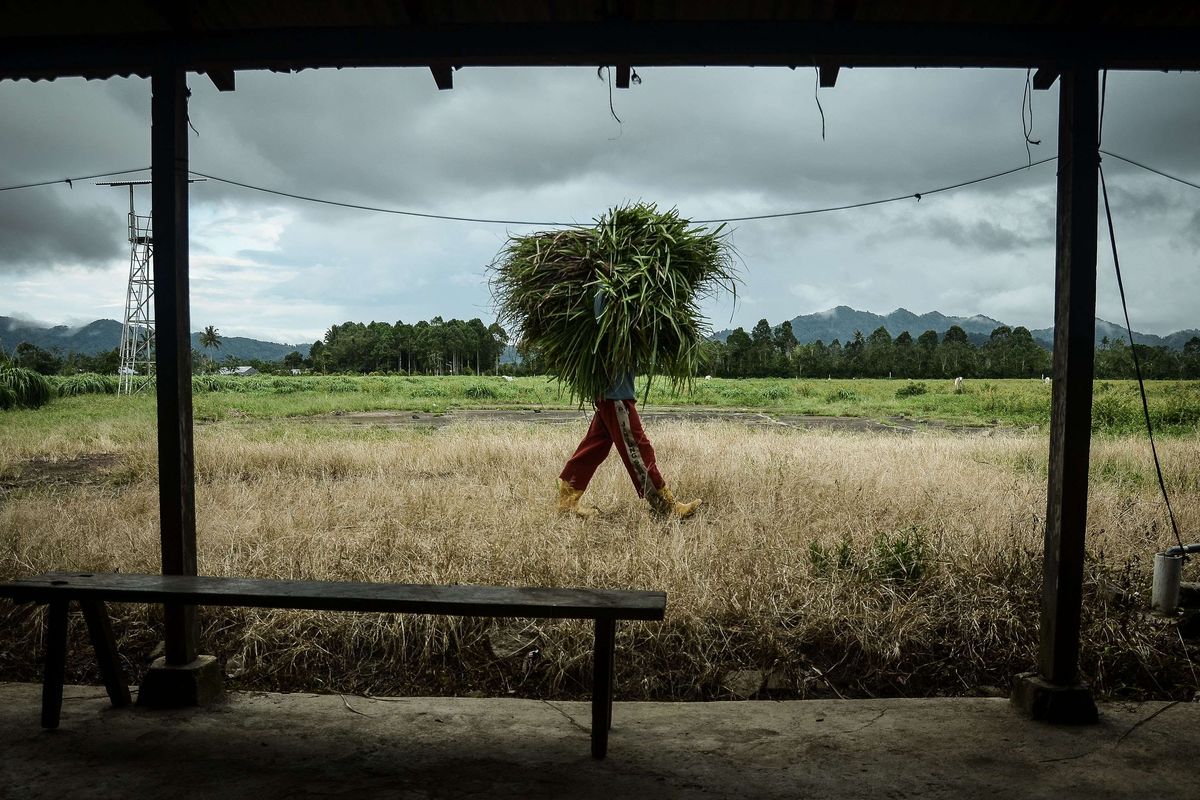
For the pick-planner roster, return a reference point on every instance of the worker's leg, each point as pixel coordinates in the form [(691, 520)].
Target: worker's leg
[(625, 429), (638, 455), (591, 452)]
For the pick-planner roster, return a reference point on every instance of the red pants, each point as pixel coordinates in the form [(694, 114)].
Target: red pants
[(615, 422)]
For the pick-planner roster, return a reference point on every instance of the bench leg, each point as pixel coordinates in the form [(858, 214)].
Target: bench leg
[(56, 662), (602, 685), (100, 631)]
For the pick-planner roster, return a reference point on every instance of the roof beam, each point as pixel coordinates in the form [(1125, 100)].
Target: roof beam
[(1044, 78), (222, 78), (848, 44), (443, 76)]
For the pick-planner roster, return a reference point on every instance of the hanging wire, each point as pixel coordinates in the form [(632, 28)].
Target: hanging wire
[(914, 196), (608, 72), (1175, 178), (380, 210), (1027, 121), (69, 181), (817, 97), (1137, 365), (778, 215)]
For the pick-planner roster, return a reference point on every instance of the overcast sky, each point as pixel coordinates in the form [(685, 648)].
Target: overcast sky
[(541, 145)]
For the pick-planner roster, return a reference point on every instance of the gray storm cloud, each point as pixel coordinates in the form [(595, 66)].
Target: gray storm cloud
[(39, 229), (541, 144)]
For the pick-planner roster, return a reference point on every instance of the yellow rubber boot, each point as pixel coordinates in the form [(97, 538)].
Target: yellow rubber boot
[(568, 501), (670, 505)]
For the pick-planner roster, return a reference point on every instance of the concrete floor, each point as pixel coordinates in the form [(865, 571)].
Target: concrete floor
[(264, 746)]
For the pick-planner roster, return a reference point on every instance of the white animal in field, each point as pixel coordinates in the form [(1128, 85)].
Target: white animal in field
[(708, 377), (508, 378), (958, 384), (1047, 380)]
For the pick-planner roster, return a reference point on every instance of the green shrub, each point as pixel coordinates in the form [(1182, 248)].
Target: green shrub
[(842, 395), (481, 391), (900, 556), (205, 383), (826, 560), (341, 385), (776, 392), (23, 388), (87, 383), (911, 389)]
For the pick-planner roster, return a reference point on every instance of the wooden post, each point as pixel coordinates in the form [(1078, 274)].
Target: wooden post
[(173, 348), (104, 643), (602, 685), (1056, 693), (1074, 353), (56, 662)]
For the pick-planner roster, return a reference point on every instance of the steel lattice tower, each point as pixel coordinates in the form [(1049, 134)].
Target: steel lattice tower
[(136, 369)]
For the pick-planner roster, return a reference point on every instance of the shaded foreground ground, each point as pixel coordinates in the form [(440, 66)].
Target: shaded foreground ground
[(265, 746)]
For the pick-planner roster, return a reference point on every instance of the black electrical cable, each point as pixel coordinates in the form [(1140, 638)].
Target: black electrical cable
[(916, 195), (490, 221), (1175, 178), (1137, 365), (340, 204), (72, 179)]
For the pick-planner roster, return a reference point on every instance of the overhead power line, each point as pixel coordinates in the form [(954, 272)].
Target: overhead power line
[(1151, 169), (559, 224), (72, 179), (359, 207), (914, 196), (777, 215)]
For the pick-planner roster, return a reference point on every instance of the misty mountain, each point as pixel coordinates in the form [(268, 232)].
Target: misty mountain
[(105, 334), (1173, 341), (841, 323)]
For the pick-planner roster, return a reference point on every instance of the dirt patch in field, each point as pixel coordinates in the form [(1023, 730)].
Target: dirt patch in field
[(44, 473), (758, 419)]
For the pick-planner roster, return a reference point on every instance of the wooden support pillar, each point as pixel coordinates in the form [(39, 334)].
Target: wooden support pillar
[(1055, 692), (173, 348)]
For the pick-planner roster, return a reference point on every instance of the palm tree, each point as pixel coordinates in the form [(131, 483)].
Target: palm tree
[(211, 337)]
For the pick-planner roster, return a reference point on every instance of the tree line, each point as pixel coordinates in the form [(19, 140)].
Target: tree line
[(455, 347), (773, 351), (433, 347)]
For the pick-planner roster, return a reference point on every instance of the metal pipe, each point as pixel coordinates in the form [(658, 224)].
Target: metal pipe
[(1168, 571), (1179, 551)]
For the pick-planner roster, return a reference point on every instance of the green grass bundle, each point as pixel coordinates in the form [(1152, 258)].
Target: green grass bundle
[(652, 269), (87, 383), (23, 388)]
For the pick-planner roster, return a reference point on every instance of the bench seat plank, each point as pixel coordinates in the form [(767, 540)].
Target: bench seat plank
[(461, 600)]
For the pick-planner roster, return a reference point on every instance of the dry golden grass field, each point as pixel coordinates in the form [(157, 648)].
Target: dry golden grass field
[(822, 563)]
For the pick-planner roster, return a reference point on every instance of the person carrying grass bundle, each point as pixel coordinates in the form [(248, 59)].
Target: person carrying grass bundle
[(594, 304), (616, 422)]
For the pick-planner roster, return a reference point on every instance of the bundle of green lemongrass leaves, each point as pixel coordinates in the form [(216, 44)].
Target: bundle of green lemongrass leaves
[(651, 270)]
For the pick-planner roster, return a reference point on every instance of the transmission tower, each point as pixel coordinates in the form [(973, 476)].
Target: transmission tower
[(136, 369)]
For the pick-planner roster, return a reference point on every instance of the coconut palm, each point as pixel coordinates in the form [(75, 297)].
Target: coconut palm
[(210, 338)]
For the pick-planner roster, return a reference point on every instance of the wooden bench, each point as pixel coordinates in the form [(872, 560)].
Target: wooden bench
[(93, 591)]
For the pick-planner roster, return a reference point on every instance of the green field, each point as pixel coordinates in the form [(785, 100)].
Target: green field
[(1174, 405), (889, 564)]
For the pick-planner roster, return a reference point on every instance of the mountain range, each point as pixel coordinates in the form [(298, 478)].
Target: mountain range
[(835, 323), (841, 323), (105, 334)]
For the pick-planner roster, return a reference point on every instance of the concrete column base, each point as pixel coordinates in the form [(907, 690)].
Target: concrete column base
[(178, 686), (1039, 699)]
